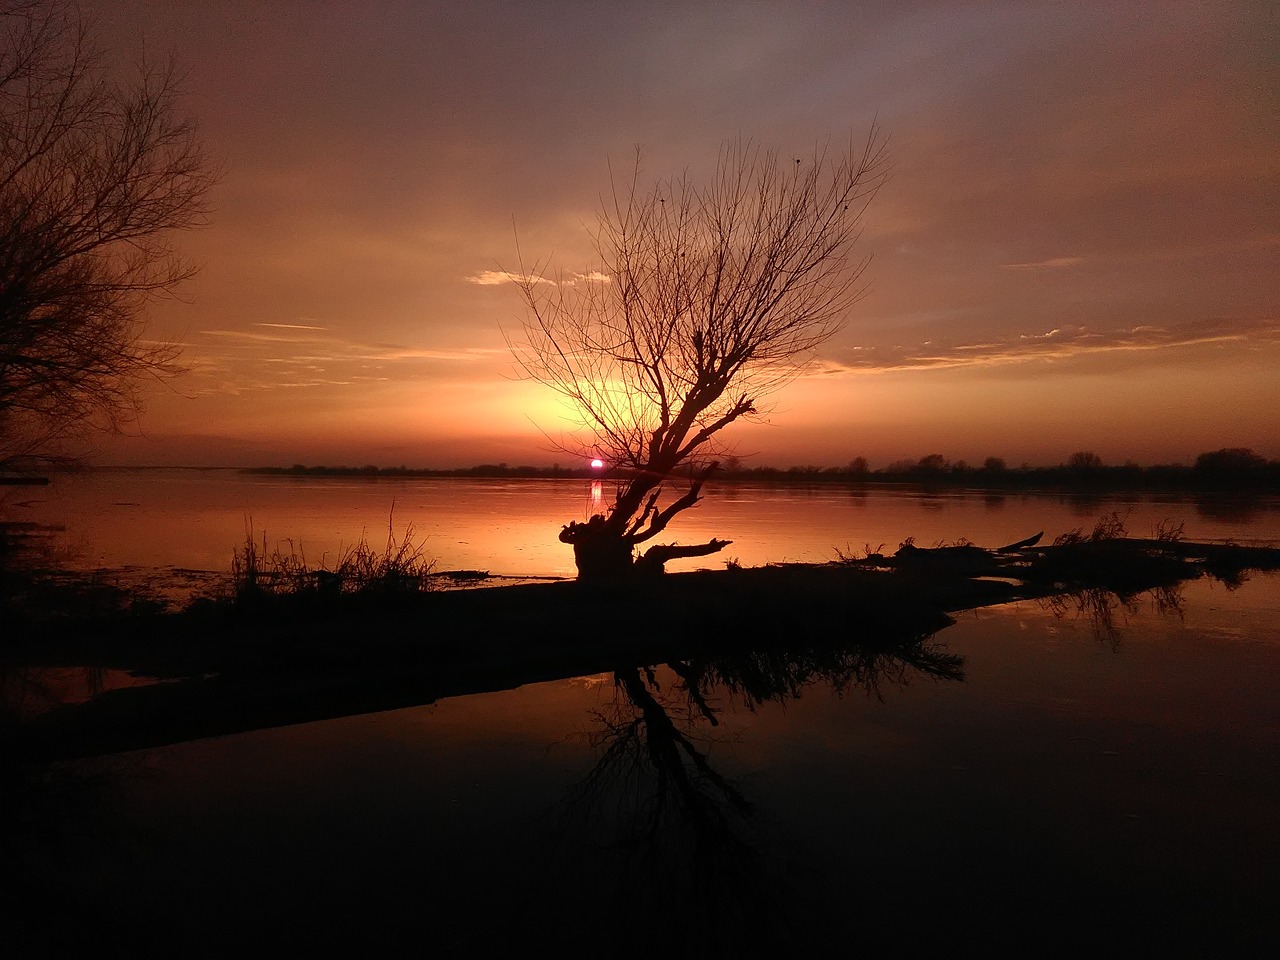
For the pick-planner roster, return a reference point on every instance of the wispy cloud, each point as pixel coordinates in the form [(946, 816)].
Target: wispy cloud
[(1053, 263), (494, 277), (250, 336), (468, 355), (491, 278), (288, 355), (1062, 343)]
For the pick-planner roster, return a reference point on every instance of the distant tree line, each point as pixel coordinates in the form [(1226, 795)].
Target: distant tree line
[(489, 470), (1230, 468), (1227, 468)]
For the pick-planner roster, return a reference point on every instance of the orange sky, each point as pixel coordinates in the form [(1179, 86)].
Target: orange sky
[(1077, 248)]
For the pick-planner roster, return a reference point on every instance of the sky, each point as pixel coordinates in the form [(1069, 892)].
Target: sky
[(1077, 247)]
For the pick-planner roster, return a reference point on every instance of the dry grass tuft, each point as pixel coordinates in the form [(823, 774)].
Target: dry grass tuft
[(399, 568), (1110, 527)]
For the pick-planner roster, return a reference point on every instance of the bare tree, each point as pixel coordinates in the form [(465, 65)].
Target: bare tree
[(706, 298), (95, 175)]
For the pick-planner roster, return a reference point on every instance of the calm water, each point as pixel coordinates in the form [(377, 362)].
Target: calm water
[(195, 519), (1043, 781)]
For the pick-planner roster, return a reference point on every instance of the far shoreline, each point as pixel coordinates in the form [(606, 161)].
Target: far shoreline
[(1093, 479), (1224, 472)]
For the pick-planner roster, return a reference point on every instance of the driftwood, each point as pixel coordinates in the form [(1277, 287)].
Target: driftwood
[(656, 557), (1029, 542)]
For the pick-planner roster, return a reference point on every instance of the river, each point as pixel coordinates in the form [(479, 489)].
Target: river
[(123, 520), (1099, 774)]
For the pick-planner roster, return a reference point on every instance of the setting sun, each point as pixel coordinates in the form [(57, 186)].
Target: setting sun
[(1016, 267)]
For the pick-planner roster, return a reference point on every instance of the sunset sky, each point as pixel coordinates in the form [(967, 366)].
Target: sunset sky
[(1077, 249)]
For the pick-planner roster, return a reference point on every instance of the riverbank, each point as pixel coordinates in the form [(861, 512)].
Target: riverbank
[(1089, 767), (1212, 474), (220, 667)]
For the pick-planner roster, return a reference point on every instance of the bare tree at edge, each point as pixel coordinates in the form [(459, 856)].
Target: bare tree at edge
[(95, 175), (706, 298)]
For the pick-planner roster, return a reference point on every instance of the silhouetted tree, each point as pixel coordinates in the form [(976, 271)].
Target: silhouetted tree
[(932, 464), (1084, 460), (706, 297), (94, 176), (900, 467), (1230, 460), (676, 837)]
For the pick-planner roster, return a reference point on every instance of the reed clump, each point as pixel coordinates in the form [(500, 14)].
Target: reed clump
[(400, 568), (1108, 529)]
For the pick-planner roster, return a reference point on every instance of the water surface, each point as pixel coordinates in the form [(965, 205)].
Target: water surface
[(1095, 775), (196, 518), (1057, 782)]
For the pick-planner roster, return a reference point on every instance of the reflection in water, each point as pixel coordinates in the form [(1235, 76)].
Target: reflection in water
[(1086, 503), (1243, 510), (1057, 799), (192, 520), (60, 832), (27, 692), (658, 824), (1106, 610)]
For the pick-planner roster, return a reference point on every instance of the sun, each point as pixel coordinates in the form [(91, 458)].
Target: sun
[(597, 464)]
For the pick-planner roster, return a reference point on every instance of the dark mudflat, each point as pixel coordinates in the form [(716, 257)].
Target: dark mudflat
[(217, 669)]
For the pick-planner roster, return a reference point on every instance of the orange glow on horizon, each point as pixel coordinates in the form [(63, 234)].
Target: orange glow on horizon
[(1030, 294)]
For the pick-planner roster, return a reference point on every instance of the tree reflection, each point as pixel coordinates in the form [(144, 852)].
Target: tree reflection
[(1242, 509), (61, 832), (657, 828), (1105, 610)]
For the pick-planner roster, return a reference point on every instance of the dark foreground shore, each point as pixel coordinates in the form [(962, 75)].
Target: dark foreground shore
[(784, 761), (220, 668)]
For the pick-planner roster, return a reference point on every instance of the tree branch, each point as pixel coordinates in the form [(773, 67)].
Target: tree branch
[(705, 298), (655, 557)]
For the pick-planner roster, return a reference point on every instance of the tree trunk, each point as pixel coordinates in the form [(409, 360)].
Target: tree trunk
[(599, 550), (655, 557)]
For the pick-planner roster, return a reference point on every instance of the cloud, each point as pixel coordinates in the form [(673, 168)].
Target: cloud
[(1062, 343), (249, 336), (1053, 263), (489, 278), (470, 354), (299, 355)]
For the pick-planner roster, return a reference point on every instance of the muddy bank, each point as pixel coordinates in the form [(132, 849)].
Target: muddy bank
[(220, 667)]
